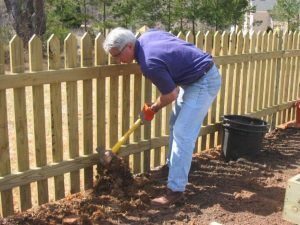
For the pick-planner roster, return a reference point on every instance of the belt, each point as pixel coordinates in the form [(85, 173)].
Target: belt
[(204, 71)]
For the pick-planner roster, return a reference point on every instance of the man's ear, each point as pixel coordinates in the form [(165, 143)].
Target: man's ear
[(130, 45)]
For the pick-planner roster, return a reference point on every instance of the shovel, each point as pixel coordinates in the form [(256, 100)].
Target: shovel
[(107, 155)]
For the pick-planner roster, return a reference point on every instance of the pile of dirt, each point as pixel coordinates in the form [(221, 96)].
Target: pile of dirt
[(246, 191)]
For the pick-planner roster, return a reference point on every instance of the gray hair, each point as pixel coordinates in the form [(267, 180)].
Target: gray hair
[(118, 38)]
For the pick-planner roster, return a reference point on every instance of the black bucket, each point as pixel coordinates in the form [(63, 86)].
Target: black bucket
[(242, 136)]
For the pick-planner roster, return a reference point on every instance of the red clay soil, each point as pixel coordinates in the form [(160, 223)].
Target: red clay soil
[(246, 191)]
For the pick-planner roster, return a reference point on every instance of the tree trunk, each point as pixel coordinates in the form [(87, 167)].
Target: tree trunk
[(104, 18), (194, 31), (169, 15), (29, 17), (85, 15)]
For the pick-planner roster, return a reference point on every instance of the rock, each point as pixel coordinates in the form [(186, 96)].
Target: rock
[(71, 220)]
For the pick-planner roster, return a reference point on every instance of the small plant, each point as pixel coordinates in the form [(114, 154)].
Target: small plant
[(6, 33)]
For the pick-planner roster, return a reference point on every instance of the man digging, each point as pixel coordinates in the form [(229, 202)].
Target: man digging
[(182, 73)]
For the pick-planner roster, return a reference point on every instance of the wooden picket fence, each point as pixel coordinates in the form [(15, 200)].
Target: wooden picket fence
[(57, 107)]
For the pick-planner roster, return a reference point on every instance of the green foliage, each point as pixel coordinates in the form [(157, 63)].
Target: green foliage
[(223, 13), (168, 14), (6, 33), (179, 14), (62, 15), (287, 11), (122, 13), (149, 12)]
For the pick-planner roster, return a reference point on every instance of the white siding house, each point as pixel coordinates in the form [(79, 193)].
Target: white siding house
[(260, 20)]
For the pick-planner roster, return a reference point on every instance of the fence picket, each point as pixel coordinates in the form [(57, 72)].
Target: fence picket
[(100, 55), (125, 106), (232, 43), (224, 74), (87, 61), (2, 59), (273, 71), (269, 84), (292, 95), (237, 81), (288, 69), (278, 70), (282, 80), (113, 110), (244, 76), (290, 77), (190, 37), (17, 66), (137, 98), (215, 107), (70, 51), (200, 40), (257, 72), (6, 197), (36, 64), (100, 59), (136, 111), (53, 52), (297, 83), (157, 133), (251, 75), (147, 128), (223, 94), (263, 88), (181, 35)]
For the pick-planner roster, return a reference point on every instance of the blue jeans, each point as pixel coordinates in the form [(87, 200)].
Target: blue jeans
[(186, 120)]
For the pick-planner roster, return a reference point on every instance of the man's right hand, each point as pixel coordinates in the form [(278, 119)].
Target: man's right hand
[(147, 113)]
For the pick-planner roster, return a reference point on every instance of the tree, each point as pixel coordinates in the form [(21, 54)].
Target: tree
[(173, 13), (67, 12), (149, 12), (193, 12), (237, 11), (29, 17), (104, 19), (222, 14), (63, 15), (123, 12), (288, 11)]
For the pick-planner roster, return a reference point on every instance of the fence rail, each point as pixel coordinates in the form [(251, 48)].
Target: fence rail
[(57, 107)]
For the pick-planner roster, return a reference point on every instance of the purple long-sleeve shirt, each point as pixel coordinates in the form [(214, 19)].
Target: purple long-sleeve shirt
[(169, 61)]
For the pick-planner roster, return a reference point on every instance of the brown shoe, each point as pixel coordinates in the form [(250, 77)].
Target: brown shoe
[(170, 198), (160, 172)]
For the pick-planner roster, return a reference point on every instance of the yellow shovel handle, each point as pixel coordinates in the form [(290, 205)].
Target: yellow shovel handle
[(123, 139)]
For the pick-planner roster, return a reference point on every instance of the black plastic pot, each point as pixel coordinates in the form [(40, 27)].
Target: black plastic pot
[(242, 136)]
